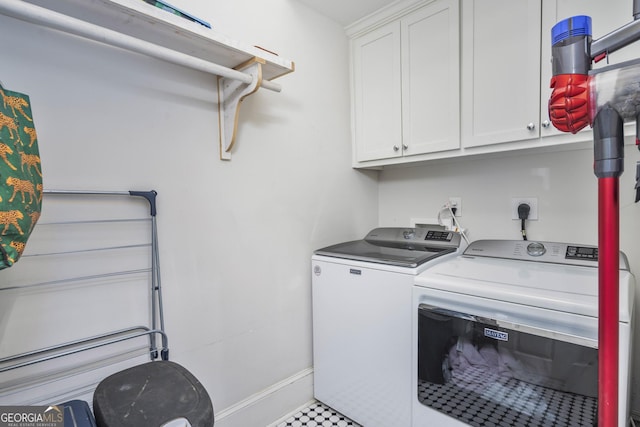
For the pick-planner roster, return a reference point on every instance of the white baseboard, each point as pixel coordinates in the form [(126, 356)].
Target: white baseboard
[(264, 408)]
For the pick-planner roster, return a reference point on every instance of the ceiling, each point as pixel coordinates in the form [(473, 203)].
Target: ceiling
[(346, 12)]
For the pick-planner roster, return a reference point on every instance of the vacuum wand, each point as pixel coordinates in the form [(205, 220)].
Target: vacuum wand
[(608, 136)]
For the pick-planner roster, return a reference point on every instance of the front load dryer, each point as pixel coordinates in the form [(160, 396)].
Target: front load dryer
[(507, 335)]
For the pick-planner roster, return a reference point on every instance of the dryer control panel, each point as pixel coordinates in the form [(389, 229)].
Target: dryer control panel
[(551, 252)]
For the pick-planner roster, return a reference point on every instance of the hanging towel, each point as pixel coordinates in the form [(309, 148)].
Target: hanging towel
[(20, 176)]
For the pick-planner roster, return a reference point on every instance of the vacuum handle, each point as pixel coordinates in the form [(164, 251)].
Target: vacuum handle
[(570, 63)]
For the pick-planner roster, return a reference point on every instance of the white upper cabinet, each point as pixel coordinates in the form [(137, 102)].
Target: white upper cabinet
[(500, 71), (430, 79), (506, 67), (444, 79), (405, 79), (377, 103)]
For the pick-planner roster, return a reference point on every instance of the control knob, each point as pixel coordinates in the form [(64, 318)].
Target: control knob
[(536, 249)]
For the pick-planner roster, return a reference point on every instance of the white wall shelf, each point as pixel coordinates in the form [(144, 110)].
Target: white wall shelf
[(146, 22), (140, 27)]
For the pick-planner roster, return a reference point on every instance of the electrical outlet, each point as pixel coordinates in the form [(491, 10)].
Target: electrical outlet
[(456, 202), (531, 201)]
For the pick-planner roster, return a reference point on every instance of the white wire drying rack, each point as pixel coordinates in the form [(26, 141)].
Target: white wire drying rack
[(84, 299)]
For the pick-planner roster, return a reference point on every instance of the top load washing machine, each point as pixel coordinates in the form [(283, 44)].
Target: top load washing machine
[(362, 320), (507, 335)]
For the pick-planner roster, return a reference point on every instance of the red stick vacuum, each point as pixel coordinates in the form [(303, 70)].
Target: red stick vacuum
[(581, 97)]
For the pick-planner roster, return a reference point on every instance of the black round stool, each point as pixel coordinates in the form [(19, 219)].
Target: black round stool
[(153, 394)]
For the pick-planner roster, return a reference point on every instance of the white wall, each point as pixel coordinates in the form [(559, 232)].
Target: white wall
[(563, 182), (235, 237)]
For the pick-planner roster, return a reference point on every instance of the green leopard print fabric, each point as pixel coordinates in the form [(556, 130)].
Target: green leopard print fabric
[(20, 176)]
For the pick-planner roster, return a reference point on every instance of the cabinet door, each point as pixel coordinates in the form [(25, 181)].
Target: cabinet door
[(431, 78), (606, 16), (377, 105), (500, 71)]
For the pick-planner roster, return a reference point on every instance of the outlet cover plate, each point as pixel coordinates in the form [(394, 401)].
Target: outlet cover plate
[(531, 201), (457, 202)]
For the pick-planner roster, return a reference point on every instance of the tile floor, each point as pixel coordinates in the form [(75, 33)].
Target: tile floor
[(480, 399), (318, 415)]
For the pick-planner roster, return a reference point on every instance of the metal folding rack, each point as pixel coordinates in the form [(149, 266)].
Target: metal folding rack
[(88, 243)]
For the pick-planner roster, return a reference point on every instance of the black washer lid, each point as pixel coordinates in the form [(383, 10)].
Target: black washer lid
[(403, 247)]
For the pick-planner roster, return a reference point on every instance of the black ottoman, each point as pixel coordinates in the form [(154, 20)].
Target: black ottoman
[(152, 395)]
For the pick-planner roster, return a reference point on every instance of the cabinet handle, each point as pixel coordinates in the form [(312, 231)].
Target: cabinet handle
[(546, 124), (531, 126), (405, 146), (396, 148)]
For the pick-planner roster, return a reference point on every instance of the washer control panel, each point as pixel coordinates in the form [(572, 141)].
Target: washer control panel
[(551, 252), (439, 236), (434, 237)]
